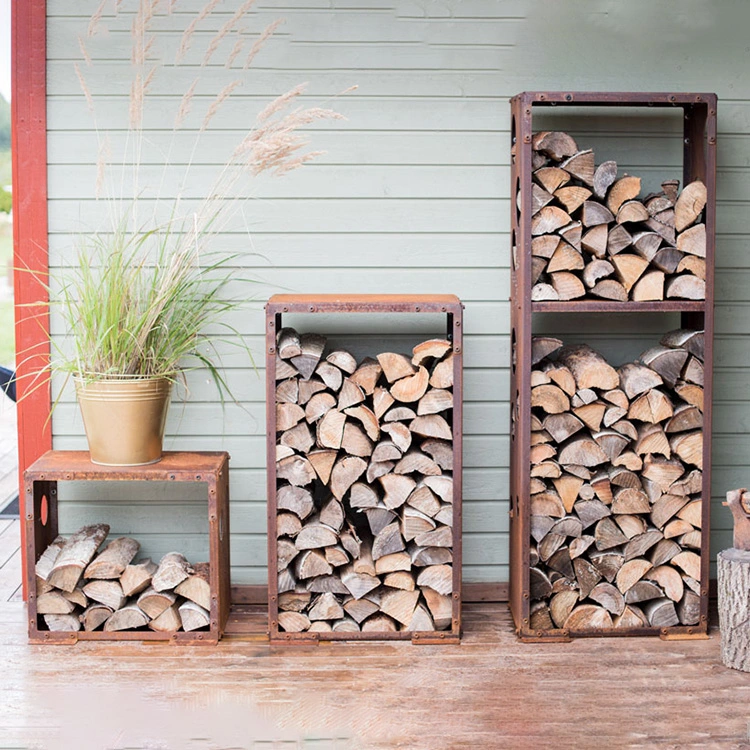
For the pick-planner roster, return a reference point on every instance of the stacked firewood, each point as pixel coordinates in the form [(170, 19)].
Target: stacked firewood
[(594, 237), (78, 588), (364, 487), (616, 482)]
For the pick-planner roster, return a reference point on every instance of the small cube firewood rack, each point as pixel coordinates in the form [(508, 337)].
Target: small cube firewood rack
[(699, 163), (40, 485), (451, 307)]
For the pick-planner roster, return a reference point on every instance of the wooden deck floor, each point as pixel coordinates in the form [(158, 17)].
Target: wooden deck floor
[(489, 692)]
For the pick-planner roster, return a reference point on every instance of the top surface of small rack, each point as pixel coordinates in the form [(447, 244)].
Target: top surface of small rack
[(616, 98), (323, 303), (56, 465)]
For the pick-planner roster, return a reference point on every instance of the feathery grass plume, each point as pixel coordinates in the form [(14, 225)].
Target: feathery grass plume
[(96, 18), (185, 104), (84, 51), (105, 152), (84, 87), (236, 49), (280, 102), (216, 104), (135, 111), (187, 35), (225, 29), (261, 40)]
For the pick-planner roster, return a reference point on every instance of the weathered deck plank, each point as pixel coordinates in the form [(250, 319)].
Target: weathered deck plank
[(490, 692)]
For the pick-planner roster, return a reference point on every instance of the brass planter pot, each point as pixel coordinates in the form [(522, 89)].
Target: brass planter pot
[(124, 418)]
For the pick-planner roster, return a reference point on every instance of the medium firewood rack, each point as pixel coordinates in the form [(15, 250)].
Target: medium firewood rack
[(451, 307), (699, 162)]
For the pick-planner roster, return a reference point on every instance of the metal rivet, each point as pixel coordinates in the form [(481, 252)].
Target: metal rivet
[(171, 476), (687, 140), (312, 309), (271, 324), (568, 98), (29, 517), (416, 308), (198, 477), (416, 636), (443, 309), (672, 98), (442, 635), (527, 139), (271, 349), (698, 99), (525, 594), (526, 619), (286, 309), (457, 349), (28, 489)]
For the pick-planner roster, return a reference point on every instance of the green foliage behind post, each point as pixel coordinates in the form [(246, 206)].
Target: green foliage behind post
[(4, 124), (6, 200)]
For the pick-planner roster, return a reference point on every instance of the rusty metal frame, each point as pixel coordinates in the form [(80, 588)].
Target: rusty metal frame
[(699, 162), (449, 305), (41, 524)]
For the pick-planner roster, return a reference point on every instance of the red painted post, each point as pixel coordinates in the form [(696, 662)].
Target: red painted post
[(31, 258)]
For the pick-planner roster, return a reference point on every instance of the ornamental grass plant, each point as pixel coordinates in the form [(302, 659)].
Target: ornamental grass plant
[(149, 295)]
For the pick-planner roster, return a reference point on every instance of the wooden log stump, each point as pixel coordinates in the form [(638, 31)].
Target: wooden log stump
[(733, 568)]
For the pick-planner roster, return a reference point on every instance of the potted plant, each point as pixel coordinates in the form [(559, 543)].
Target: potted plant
[(138, 306), (140, 303)]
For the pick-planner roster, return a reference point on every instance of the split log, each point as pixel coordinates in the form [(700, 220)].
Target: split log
[(686, 286), (433, 349), (299, 438), (555, 144), (308, 388), (625, 189), (105, 592), (94, 616), (581, 166), (396, 366), (47, 559), (629, 268), (610, 289), (589, 368), (343, 360), (567, 285), (136, 578), (368, 373), (75, 556), (293, 622), (330, 375), (197, 587), (595, 241), (594, 213), (368, 419), (193, 616), (296, 470), (330, 430), (287, 416), (54, 603), (349, 395), (311, 350), (551, 178), (173, 569), (322, 462), (381, 401), (442, 373), (604, 176), (411, 388), (549, 219), (631, 212), (288, 343), (153, 602), (62, 623), (689, 205)]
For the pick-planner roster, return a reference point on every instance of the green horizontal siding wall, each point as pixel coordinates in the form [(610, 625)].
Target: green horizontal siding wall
[(411, 196)]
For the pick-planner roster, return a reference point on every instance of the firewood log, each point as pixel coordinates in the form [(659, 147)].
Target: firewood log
[(367, 374), (192, 615), (46, 561), (595, 271), (414, 523), (610, 289), (571, 197), (297, 470), (355, 441), (631, 212), (565, 258), (388, 541), (629, 268), (286, 581), (397, 561), (94, 616), (551, 398), (129, 617), (368, 419), (431, 426), (663, 223), (362, 495), (197, 587), (689, 447), (287, 416), (555, 144), (549, 219), (343, 360), (298, 500), (618, 238), (62, 623), (669, 580), (551, 178), (693, 241), (336, 556), (543, 292), (359, 583), (284, 370), (310, 564), (299, 438), (434, 349), (75, 555), (288, 343), (434, 401), (583, 451), (153, 603), (330, 375), (442, 373), (396, 366), (397, 488), (423, 556), (694, 265), (594, 241), (54, 603), (686, 286), (350, 395), (330, 429), (315, 535), (589, 369), (646, 244), (311, 348), (360, 609), (381, 401), (308, 389), (567, 285), (663, 552), (136, 578), (169, 621), (285, 553), (105, 592), (625, 189), (416, 461), (293, 622), (288, 391), (377, 469), (689, 204)]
